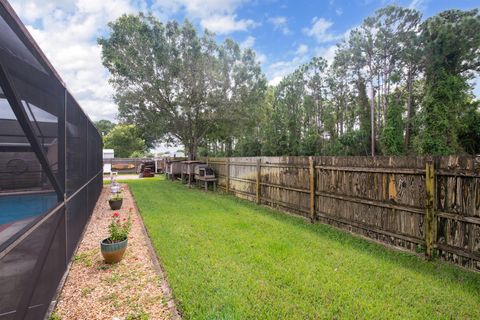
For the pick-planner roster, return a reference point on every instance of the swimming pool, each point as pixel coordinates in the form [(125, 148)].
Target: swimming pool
[(19, 207)]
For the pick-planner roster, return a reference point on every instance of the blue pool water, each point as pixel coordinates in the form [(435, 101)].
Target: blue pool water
[(18, 207)]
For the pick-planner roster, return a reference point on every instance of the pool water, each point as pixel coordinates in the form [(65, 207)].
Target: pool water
[(19, 207)]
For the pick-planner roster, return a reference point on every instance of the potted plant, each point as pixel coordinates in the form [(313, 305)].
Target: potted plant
[(115, 245), (116, 201)]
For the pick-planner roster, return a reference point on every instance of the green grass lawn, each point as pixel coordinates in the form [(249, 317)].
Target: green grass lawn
[(229, 259)]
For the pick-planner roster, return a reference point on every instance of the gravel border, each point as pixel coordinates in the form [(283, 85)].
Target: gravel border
[(135, 288)]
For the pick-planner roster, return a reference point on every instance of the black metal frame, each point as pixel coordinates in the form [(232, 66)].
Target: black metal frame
[(33, 261), (22, 118)]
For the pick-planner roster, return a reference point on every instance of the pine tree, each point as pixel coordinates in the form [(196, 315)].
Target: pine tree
[(392, 133)]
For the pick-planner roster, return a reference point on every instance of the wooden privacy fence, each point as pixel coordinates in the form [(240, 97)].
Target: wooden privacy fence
[(416, 203), (126, 165)]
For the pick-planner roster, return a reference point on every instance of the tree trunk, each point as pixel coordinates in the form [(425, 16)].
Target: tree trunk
[(229, 147), (192, 147), (372, 120), (408, 126)]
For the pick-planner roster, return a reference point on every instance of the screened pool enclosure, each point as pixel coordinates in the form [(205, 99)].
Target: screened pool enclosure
[(50, 173)]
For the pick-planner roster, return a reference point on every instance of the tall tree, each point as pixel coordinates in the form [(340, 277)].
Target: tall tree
[(275, 132), (176, 83), (362, 53), (392, 132), (125, 140), (451, 42), (469, 131), (289, 96), (365, 115), (104, 126)]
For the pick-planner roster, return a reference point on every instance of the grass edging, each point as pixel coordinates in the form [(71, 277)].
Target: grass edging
[(165, 287)]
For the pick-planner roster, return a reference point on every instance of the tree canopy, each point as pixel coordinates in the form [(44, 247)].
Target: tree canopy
[(178, 85), (397, 85), (126, 141), (104, 126)]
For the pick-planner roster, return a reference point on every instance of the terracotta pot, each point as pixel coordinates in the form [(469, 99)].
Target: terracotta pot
[(115, 204), (113, 252)]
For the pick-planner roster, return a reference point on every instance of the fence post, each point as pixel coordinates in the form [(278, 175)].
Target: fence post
[(259, 177), (430, 219), (227, 182), (312, 188)]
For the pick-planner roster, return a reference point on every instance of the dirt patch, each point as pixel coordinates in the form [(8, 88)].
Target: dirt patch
[(132, 289)]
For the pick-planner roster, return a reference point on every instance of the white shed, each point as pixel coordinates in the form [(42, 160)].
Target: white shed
[(108, 154)]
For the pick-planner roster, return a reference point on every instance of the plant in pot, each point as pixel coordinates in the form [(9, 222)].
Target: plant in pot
[(116, 201), (115, 245)]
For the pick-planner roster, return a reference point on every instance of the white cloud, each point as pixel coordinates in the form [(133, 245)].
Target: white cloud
[(276, 80), (338, 10), (327, 53), (277, 70), (248, 42), (225, 24), (216, 15), (280, 23), (302, 49), (67, 31), (203, 8), (417, 4), (261, 58), (319, 30)]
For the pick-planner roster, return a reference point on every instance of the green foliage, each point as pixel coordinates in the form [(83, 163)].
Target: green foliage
[(212, 97), (248, 146), (392, 134), (117, 196), (119, 227), (177, 85), (55, 316), (364, 116), (469, 130), (125, 140), (310, 143), (451, 40), (274, 130), (354, 143), (226, 258), (141, 154), (333, 147), (86, 258), (142, 315), (104, 126), (441, 106)]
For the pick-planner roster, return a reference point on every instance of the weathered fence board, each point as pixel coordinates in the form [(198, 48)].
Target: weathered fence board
[(125, 165), (382, 198)]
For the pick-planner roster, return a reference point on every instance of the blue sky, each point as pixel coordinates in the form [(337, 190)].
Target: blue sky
[(283, 33)]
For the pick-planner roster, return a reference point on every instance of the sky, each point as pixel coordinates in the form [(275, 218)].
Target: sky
[(283, 33)]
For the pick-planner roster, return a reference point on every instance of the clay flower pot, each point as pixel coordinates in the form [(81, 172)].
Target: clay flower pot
[(113, 252)]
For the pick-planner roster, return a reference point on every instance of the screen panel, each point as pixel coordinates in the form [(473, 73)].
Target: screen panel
[(77, 152)]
